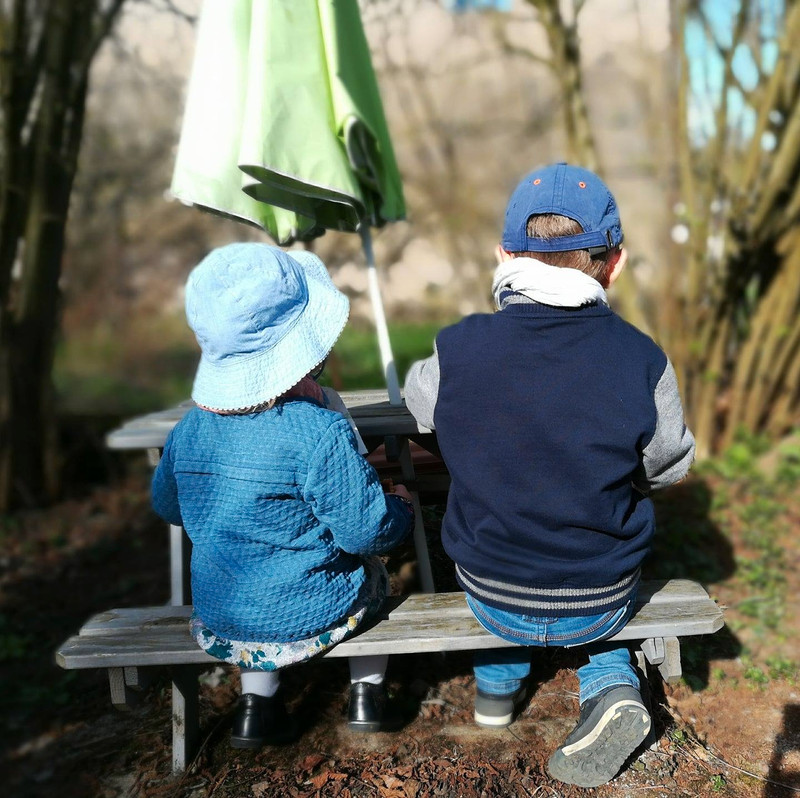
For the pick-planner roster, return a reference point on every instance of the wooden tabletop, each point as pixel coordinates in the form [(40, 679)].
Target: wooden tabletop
[(373, 415)]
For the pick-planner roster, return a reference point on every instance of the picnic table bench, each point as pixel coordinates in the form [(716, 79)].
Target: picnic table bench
[(131, 642)]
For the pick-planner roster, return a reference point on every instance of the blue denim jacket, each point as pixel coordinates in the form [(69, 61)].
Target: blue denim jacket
[(281, 510)]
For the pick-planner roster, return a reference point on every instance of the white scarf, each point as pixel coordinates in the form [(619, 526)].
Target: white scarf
[(559, 286)]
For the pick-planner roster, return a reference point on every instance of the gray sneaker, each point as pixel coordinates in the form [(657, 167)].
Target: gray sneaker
[(611, 727), (497, 711)]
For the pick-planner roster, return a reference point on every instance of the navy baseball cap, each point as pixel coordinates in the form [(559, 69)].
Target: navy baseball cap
[(569, 191)]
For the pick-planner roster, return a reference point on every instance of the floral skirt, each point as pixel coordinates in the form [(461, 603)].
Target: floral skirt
[(272, 656)]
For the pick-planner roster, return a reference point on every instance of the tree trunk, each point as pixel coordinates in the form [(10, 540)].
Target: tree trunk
[(45, 78), (562, 36)]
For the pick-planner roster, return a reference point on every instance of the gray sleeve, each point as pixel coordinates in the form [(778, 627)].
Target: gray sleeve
[(670, 453), (422, 389)]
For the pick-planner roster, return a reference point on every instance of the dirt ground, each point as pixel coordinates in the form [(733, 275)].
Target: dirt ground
[(722, 731)]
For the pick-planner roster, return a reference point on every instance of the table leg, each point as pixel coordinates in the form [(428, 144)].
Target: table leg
[(420, 541), (180, 555), (185, 717)]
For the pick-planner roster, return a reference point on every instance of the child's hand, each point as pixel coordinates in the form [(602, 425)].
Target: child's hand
[(402, 492), (398, 490)]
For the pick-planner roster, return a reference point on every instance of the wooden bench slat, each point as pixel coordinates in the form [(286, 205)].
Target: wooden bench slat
[(118, 651), (410, 624), (127, 619), (416, 606), (662, 591), (172, 644)]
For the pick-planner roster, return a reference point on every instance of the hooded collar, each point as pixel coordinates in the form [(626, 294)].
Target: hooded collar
[(545, 284)]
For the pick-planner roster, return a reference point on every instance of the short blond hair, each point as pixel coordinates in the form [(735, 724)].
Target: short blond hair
[(553, 225)]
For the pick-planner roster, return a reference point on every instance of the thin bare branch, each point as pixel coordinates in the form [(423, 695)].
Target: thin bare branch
[(514, 50), (102, 24), (173, 8)]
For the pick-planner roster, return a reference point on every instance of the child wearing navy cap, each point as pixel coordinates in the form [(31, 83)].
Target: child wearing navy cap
[(265, 475), (555, 419)]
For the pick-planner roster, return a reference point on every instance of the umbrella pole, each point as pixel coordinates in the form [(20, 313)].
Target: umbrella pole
[(387, 358), (406, 463)]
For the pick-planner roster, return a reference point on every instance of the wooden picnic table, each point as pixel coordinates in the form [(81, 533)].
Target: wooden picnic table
[(377, 422)]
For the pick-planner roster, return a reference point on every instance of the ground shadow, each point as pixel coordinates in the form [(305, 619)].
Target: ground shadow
[(785, 782), (689, 545), (60, 567)]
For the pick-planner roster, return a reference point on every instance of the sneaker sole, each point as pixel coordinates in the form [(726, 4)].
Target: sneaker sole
[(598, 757), (501, 721), (494, 721)]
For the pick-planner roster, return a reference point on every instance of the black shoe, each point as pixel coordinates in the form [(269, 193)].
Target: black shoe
[(370, 709), (611, 727), (262, 721)]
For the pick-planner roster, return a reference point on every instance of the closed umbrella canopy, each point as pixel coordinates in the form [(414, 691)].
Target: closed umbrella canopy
[(284, 126)]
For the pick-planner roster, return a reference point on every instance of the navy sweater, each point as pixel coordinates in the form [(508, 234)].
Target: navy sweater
[(553, 423)]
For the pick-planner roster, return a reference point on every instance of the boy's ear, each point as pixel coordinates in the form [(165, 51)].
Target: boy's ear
[(615, 265), (501, 255)]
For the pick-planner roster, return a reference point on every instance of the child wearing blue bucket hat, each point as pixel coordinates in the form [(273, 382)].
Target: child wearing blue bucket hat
[(285, 516), (555, 419)]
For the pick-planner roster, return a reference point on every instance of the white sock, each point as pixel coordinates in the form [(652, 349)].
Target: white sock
[(368, 669), (263, 683)]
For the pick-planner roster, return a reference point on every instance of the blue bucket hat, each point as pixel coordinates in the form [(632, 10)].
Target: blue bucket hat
[(264, 318), (570, 191)]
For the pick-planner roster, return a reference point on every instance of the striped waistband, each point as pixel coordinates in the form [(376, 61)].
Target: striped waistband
[(533, 600)]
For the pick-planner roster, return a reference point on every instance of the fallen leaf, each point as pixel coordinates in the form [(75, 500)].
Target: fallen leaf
[(311, 761)]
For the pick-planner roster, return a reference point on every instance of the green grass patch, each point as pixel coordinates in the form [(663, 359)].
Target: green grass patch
[(728, 524), (355, 362), (136, 368), (12, 644), (718, 783), (756, 676), (151, 366)]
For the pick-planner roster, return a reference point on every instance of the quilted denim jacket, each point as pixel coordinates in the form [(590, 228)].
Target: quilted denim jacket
[(281, 510)]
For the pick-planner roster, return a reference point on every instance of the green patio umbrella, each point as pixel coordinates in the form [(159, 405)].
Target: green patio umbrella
[(284, 128)]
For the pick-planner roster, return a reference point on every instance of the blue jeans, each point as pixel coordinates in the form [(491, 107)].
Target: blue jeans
[(502, 671)]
